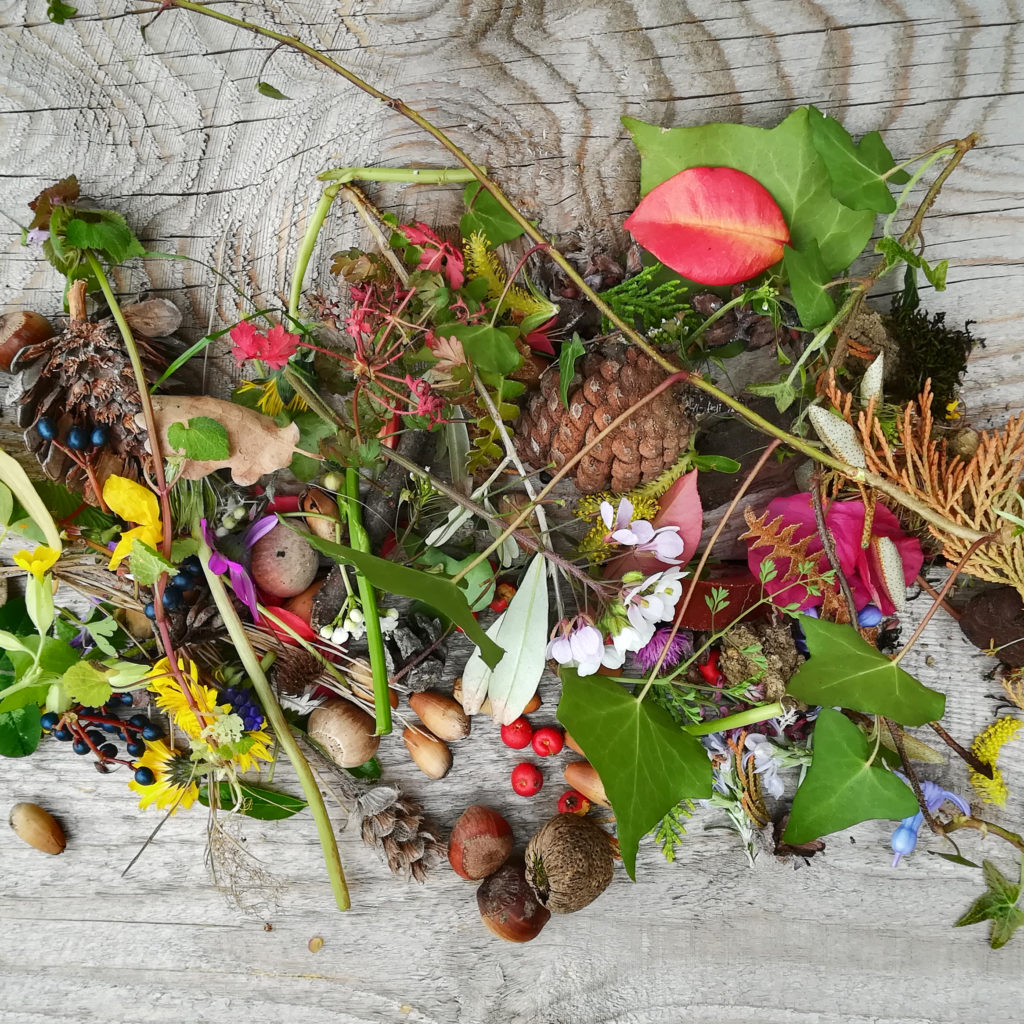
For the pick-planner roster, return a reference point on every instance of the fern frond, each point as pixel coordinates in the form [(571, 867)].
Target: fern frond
[(483, 262)]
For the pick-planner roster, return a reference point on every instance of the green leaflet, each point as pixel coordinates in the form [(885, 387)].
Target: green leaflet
[(87, 685), (20, 731), (647, 763), (997, 905), (433, 590), (485, 214), (148, 565), (202, 439), (783, 159), (106, 232), (488, 347), (841, 787), (808, 276), (270, 91), (478, 584), (571, 351), (257, 802), (845, 671)]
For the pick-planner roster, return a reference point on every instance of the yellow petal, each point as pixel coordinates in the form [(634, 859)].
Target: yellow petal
[(124, 545), (132, 502), (38, 561)]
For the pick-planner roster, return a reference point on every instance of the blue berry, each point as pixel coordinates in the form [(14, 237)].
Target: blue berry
[(77, 439), (192, 566), (152, 732), (110, 727), (182, 581), (144, 776), (99, 436), (138, 721), (63, 734), (49, 720), (124, 699), (108, 750), (47, 428), (172, 598), (150, 610), (135, 748), (95, 735), (80, 747), (869, 616)]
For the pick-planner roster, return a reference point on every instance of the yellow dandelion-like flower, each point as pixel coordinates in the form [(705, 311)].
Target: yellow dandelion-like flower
[(259, 751), (986, 747), (270, 402), (176, 779), (170, 698)]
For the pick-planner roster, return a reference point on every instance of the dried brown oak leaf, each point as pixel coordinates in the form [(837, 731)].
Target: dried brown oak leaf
[(258, 445), (612, 380)]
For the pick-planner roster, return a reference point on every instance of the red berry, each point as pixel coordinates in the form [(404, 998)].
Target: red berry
[(548, 741), (527, 779), (503, 593), (709, 670), (572, 801), (518, 734)]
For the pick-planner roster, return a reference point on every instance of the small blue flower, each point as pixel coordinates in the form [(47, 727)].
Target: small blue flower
[(904, 838)]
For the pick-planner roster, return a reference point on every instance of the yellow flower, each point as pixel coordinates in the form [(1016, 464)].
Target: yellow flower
[(173, 702), (270, 402), (134, 504), (259, 751), (38, 561), (986, 747), (176, 784)]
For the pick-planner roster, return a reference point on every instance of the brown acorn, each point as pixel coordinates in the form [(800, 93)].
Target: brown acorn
[(345, 732), (322, 515), (481, 841), (569, 863), (582, 776), (38, 828), (431, 755), (509, 907), (442, 715)]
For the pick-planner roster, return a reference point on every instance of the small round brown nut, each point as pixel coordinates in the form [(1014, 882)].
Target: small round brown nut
[(345, 732), (283, 564), (322, 516), (441, 714), (481, 841), (37, 827), (509, 907), (153, 318), (569, 863)]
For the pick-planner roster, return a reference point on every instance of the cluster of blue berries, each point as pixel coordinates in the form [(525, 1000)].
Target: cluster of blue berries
[(94, 730), (243, 703), (78, 438), (186, 579)]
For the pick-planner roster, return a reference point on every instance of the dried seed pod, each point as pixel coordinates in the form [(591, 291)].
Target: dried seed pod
[(569, 863), (18, 330), (38, 828), (481, 841), (582, 775), (509, 907), (442, 715), (322, 515), (359, 672), (431, 755), (283, 563), (153, 318), (345, 732)]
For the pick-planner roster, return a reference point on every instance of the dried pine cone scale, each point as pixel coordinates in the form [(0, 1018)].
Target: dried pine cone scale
[(611, 381)]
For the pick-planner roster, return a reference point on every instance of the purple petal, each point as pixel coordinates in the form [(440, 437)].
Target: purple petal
[(560, 650), (587, 644), (219, 564), (642, 530), (258, 530), (242, 584)]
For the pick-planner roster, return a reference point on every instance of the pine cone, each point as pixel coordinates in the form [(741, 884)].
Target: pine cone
[(649, 442), (395, 825)]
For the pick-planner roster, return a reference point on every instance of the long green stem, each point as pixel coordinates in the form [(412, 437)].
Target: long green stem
[(282, 731), (749, 717), (306, 247), (360, 540)]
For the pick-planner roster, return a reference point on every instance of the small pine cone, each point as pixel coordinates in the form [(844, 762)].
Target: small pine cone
[(400, 833), (294, 671), (646, 444)]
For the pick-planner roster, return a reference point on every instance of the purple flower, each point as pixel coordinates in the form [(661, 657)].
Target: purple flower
[(679, 645), (36, 236), (241, 581), (665, 543), (904, 838)]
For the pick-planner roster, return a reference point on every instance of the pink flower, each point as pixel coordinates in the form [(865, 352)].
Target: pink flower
[(274, 348), (427, 403), (861, 566), (436, 255)]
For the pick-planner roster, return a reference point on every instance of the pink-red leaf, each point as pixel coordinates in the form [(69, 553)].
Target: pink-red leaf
[(714, 225)]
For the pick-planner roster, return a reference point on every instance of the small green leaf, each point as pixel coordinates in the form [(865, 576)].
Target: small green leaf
[(997, 905), (101, 630), (485, 214), (488, 347), (59, 12), (182, 548), (808, 276), (647, 764), (257, 802), (367, 770), (855, 169), (571, 351), (478, 584), (842, 787), (845, 671), (202, 439), (106, 232), (147, 565), (266, 89), (783, 392), (126, 675), (717, 463), (312, 430), (87, 685), (20, 731), (895, 254)]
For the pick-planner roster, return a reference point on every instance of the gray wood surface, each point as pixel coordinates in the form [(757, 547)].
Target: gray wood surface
[(171, 131)]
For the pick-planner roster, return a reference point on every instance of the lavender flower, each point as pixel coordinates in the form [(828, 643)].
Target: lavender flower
[(678, 646), (665, 542), (238, 574), (579, 642), (904, 837)]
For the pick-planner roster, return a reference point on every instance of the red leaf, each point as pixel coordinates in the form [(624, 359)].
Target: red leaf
[(714, 225), (744, 593)]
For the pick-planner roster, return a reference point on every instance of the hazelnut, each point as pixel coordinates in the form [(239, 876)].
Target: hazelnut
[(582, 776), (38, 828), (480, 843), (442, 715), (322, 515), (18, 330), (344, 731), (509, 907)]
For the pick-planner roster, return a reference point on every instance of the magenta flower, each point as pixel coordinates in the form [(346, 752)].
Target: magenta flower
[(861, 566), (679, 646), (436, 254), (238, 574)]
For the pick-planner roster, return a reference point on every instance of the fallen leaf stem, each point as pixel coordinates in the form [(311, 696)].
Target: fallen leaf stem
[(975, 762)]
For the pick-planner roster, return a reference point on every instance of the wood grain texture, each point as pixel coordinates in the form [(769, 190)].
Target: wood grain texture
[(171, 131)]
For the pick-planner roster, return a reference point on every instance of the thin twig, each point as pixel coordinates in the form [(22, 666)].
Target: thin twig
[(976, 763), (896, 732), (829, 547)]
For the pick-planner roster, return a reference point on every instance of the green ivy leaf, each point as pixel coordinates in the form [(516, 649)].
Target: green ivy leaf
[(59, 12), (312, 429), (895, 254), (488, 347), (87, 685), (841, 787), (998, 905), (20, 731), (808, 276), (478, 585), (846, 671), (147, 565), (783, 159), (257, 802), (571, 351), (647, 763), (781, 391), (202, 439), (855, 169), (266, 89), (436, 591), (485, 214), (106, 232)]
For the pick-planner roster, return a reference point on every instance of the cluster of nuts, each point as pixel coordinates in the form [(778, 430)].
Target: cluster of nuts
[(567, 865)]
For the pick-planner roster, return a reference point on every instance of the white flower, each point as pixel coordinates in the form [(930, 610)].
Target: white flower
[(665, 542), (653, 601), (763, 752), (582, 645)]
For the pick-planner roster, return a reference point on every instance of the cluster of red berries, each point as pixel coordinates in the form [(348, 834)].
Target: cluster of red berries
[(527, 779)]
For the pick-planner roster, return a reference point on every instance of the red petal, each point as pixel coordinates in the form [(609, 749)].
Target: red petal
[(714, 225)]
